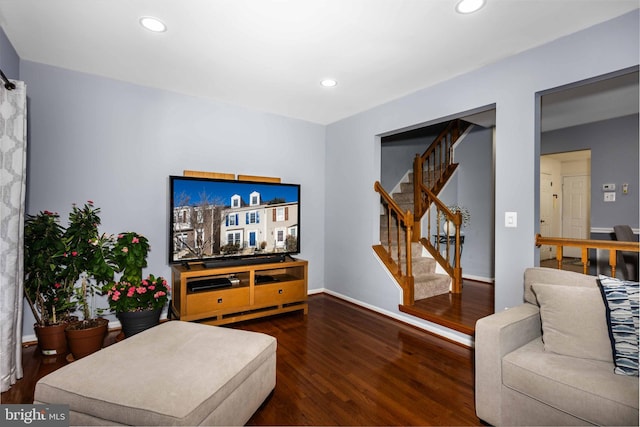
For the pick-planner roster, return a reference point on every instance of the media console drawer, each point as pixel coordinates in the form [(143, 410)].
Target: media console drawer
[(277, 293), (207, 301)]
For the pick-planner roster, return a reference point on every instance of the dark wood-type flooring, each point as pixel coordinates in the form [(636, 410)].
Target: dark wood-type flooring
[(457, 311), (343, 365)]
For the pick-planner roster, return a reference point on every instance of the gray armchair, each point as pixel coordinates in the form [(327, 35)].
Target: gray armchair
[(519, 381)]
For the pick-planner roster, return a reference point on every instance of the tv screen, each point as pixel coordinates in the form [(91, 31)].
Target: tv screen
[(213, 220)]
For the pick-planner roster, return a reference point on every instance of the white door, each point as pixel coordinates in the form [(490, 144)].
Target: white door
[(546, 215), (575, 210)]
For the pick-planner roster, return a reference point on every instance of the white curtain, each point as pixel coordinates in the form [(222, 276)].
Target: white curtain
[(13, 155)]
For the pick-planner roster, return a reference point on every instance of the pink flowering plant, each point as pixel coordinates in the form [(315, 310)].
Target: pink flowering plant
[(130, 253), (132, 292), (146, 294)]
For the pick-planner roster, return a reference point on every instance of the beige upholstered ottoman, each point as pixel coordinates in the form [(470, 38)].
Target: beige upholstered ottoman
[(177, 373)]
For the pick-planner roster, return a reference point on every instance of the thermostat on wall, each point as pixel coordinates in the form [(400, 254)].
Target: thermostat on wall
[(608, 187)]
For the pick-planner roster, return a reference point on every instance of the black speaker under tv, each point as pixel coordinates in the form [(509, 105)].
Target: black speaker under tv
[(227, 222)]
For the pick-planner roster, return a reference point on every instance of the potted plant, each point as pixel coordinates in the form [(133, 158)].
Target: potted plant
[(90, 267), (449, 226), (48, 292), (138, 303)]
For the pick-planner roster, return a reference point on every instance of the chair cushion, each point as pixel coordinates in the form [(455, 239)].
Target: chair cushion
[(557, 277), (623, 319), (585, 388), (573, 321)]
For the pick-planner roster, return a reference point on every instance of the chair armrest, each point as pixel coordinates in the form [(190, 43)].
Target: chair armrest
[(496, 336)]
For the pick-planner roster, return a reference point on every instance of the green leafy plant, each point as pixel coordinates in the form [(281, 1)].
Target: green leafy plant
[(130, 254), (147, 294), (46, 287), (91, 262), (67, 268)]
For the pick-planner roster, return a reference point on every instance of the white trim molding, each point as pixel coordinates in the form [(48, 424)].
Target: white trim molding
[(605, 230)]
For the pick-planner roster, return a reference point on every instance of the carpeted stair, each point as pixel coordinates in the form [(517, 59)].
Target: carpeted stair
[(427, 283)]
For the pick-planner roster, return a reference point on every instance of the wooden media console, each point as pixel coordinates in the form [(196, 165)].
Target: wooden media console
[(228, 294)]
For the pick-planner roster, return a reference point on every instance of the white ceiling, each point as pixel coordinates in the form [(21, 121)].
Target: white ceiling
[(270, 55)]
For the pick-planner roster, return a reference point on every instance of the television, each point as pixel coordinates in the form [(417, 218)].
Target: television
[(226, 222)]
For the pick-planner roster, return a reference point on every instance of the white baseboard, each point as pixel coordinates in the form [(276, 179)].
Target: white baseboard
[(490, 280), (26, 339)]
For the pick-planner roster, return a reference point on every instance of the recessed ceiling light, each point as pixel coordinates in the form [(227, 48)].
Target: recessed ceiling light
[(153, 24), (469, 6), (328, 83)]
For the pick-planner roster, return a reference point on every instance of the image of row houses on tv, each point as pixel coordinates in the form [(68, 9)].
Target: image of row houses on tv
[(238, 226)]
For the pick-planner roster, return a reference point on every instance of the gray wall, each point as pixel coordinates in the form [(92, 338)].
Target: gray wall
[(115, 143), (475, 192), (352, 270), (9, 60), (397, 158), (614, 159)]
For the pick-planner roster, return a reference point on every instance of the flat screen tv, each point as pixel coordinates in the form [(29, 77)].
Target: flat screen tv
[(220, 221)]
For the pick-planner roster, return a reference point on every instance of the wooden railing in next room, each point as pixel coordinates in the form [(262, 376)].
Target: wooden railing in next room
[(395, 250), (584, 244)]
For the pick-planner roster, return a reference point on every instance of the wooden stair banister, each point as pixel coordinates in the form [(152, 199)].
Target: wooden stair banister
[(437, 160), (585, 244), (403, 220), (442, 215)]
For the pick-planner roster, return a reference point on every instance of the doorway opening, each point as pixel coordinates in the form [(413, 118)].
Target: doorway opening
[(565, 199), (591, 122)]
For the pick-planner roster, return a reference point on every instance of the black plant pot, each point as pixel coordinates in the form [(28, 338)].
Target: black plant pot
[(134, 322)]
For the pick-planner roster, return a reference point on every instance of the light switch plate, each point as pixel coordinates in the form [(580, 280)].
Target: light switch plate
[(511, 219), (610, 196)]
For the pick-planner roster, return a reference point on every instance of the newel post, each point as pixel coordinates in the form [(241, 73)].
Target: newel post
[(457, 270), (417, 196)]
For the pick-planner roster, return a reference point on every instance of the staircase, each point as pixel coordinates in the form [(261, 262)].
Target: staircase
[(400, 224), (426, 282)]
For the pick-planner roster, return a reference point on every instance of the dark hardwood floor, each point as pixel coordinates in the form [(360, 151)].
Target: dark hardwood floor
[(344, 365), (457, 311)]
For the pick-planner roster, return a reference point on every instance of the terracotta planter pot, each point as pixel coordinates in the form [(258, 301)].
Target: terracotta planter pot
[(51, 339), (84, 341), (134, 322)]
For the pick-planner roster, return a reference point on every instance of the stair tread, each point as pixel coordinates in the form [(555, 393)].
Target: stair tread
[(430, 285)]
